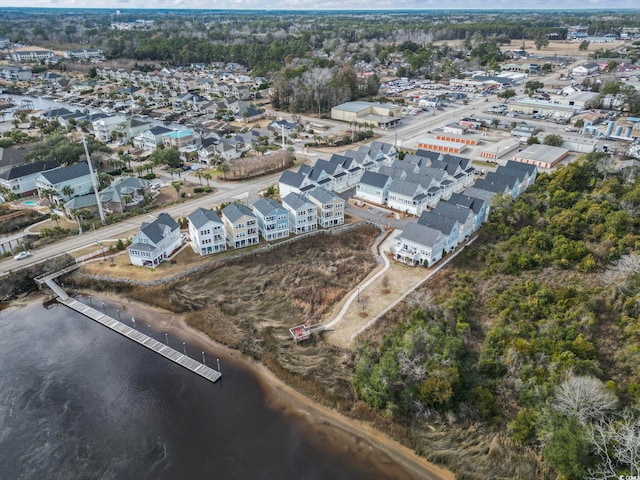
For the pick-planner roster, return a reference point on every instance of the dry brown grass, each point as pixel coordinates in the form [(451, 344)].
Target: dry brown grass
[(250, 304)]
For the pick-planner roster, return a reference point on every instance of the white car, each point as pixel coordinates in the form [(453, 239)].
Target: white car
[(22, 255)]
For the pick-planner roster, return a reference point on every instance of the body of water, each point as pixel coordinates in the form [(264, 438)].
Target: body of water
[(78, 401)]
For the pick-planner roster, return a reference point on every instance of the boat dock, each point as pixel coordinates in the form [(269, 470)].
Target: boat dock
[(133, 334)]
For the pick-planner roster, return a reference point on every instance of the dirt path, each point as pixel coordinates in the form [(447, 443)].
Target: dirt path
[(395, 460)]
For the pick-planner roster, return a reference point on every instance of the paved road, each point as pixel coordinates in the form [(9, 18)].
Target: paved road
[(230, 191)]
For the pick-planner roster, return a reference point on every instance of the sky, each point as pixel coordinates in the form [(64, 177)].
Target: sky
[(328, 4)]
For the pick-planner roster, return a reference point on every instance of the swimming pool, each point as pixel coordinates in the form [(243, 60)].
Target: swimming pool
[(30, 203)]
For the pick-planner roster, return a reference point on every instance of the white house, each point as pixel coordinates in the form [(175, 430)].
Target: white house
[(67, 182), (149, 139), (303, 215), (418, 244), (206, 232), (449, 227), (373, 187), (21, 179), (273, 219), (241, 226), (330, 207), (155, 242)]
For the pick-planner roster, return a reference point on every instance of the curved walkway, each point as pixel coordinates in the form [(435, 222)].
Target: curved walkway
[(356, 293)]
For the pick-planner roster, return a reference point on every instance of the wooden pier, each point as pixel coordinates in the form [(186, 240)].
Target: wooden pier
[(133, 334), (302, 332)]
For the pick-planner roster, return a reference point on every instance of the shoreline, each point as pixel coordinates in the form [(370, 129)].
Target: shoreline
[(284, 398)]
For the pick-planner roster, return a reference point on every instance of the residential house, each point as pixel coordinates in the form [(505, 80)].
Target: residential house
[(273, 219), (479, 206), (418, 245), (512, 182), (530, 171), (303, 214), (155, 242), (21, 179), (104, 128), (179, 139), (408, 197), (293, 182), (121, 195), (67, 182), (149, 139), (206, 232), (241, 226), (449, 227), (464, 216), (128, 129), (373, 187), (330, 207)]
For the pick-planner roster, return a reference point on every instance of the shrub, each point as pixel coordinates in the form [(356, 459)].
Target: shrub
[(149, 176)]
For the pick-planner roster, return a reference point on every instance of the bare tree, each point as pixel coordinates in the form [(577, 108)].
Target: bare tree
[(585, 399), (617, 443)]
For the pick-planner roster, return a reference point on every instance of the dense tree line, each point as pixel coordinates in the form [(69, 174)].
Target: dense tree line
[(536, 332)]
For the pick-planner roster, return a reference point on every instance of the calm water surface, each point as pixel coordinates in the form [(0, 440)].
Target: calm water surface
[(78, 401)]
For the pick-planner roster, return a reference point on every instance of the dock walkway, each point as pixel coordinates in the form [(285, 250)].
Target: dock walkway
[(133, 334)]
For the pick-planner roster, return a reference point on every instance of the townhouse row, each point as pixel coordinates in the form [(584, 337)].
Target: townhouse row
[(411, 185), (237, 226), (452, 221)]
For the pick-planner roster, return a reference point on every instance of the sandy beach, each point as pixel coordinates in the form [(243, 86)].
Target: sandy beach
[(393, 459)]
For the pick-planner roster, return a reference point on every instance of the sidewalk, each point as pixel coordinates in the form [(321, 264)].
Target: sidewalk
[(402, 280)]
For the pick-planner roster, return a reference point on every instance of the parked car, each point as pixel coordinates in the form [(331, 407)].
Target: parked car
[(22, 255)]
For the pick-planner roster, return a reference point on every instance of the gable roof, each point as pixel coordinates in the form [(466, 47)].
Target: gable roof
[(458, 212), (155, 230), (266, 205), (421, 234), (28, 169), (235, 211), (531, 169), (293, 179), (65, 174), (202, 216), (323, 195), (296, 201), (374, 179), (474, 203), (442, 223)]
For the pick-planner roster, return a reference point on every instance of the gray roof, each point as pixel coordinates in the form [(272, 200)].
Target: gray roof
[(266, 206), (236, 211), (322, 195), (403, 187), (458, 212), (421, 234), (296, 201), (491, 186), (65, 174), (159, 130), (121, 187), (474, 203), (374, 179), (444, 224), (84, 201), (531, 169), (202, 216), (509, 180), (155, 230), (480, 193), (28, 169), (292, 178)]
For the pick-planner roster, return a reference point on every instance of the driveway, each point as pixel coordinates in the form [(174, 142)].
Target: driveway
[(374, 213)]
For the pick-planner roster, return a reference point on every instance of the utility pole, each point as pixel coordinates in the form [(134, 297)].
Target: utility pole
[(94, 180)]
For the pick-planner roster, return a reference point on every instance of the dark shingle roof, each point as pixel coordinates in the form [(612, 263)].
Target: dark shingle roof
[(155, 230), (322, 195), (442, 223), (28, 169), (64, 174), (457, 212)]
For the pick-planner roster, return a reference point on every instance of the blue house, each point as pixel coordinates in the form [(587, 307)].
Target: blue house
[(273, 219)]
